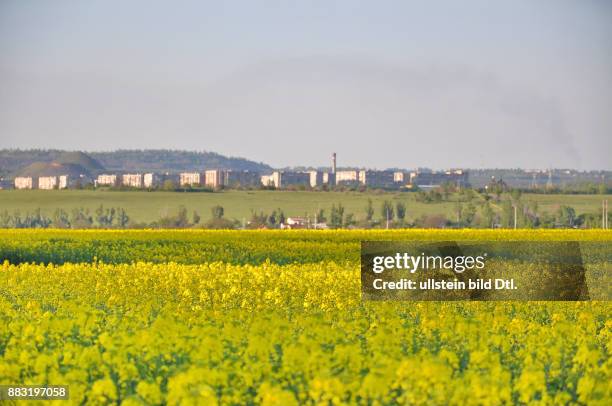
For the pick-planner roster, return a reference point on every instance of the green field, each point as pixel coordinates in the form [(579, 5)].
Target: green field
[(150, 206)]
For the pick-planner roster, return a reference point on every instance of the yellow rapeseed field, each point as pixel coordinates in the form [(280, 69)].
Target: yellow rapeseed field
[(276, 318)]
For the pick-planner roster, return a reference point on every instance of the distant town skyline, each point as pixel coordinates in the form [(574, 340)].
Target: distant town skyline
[(384, 84)]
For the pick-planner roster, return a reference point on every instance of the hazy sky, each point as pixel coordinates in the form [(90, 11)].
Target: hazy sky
[(383, 83)]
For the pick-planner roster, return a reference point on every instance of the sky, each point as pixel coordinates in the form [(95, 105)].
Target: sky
[(385, 84)]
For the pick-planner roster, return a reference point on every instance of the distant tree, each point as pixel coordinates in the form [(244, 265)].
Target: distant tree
[(566, 216), (498, 191), (507, 214), (195, 217), (122, 218), (105, 217), (516, 194), (35, 220), (258, 220), (182, 219), (349, 220), (6, 220), (272, 220), (336, 217), (469, 214), (217, 212), (369, 210), (386, 211), (447, 188), (81, 218), (60, 219), (602, 189), (281, 217), (435, 196), (321, 216), (17, 223), (488, 215), (458, 211), (589, 220), (400, 209), (168, 185), (218, 221), (469, 194)]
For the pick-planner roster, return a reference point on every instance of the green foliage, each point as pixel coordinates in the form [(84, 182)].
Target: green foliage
[(336, 217), (386, 211), (217, 212), (400, 209), (369, 210), (566, 216)]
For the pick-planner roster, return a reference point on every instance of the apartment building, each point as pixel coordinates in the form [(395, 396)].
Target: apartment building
[(134, 180), (107, 180), (190, 179)]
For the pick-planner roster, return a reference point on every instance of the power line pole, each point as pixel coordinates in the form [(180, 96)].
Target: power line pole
[(387, 218), (514, 216)]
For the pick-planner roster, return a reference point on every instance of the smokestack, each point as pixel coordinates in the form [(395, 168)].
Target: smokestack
[(333, 162)]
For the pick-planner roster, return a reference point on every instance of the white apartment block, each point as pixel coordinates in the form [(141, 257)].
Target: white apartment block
[(150, 180), (106, 180), (347, 177), (25, 182), (63, 181), (132, 180), (316, 178), (272, 180), (47, 182), (213, 178), (190, 178), (281, 180)]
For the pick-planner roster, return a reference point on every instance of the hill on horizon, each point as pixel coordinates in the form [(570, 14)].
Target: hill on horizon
[(161, 160), (15, 162), (47, 163), (38, 169), (80, 159)]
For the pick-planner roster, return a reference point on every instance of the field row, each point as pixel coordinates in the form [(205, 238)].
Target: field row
[(239, 247)]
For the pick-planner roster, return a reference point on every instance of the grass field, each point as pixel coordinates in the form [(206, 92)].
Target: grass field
[(150, 206)]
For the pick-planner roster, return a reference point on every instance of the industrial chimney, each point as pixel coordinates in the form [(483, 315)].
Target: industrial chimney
[(333, 162)]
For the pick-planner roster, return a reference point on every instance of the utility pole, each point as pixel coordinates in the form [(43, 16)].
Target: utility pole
[(387, 218), (604, 214), (514, 216)]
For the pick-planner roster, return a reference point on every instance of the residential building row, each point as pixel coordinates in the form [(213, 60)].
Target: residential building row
[(218, 178), (43, 182)]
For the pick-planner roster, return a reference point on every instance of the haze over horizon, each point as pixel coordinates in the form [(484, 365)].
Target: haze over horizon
[(384, 84)]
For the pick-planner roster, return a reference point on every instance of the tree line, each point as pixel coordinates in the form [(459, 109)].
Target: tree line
[(468, 212)]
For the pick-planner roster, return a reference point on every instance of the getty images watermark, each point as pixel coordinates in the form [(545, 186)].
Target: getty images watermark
[(464, 270)]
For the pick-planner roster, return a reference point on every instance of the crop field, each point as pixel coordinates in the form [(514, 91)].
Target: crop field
[(277, 318), (145, 206)]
